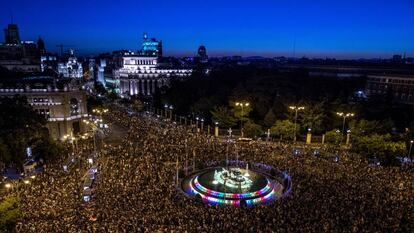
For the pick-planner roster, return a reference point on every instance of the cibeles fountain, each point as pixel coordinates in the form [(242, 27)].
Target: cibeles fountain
[(233, 178), (237, 184)]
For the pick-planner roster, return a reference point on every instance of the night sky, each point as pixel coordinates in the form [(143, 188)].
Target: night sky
[(317, 28)]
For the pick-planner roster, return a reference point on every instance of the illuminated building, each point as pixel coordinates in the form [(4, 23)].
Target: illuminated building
[(48, 61), (91, 72), (151, 47), (141, 75), (101, 72), (62, 102), (401, 87), (72, 68)]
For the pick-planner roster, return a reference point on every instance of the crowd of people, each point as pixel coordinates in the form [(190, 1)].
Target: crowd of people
[(136, 189)]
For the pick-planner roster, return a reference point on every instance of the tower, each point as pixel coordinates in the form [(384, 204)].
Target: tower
[(41, 46), (202, 53), (11, 34)]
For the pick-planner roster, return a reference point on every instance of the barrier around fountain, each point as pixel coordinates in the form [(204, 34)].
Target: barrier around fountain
[(251, 184)]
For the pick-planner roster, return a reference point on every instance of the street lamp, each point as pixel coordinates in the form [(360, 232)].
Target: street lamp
[(7, 185), (197, 118), (296, 109), (242, 105), (344, 116), (167, 108), (411, 147)]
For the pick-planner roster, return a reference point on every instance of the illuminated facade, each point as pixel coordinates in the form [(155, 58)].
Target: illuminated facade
[(400, 86), (151, 47), (141, 75), (101, 72), (72, 68), (61, 102)]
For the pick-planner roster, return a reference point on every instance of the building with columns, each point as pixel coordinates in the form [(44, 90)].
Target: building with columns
[(141, 75), (62, 102)]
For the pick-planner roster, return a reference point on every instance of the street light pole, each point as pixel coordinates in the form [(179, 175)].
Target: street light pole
[(411, 147), (296, 109), (344, 115), (242, 105)]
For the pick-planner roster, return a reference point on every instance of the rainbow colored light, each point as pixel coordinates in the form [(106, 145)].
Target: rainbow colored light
[(214, 197)]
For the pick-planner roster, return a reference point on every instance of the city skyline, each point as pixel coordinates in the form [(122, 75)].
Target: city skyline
[(318, 29)]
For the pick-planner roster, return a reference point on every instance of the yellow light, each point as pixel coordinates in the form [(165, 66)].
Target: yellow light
[(8, 185), (33, 177), (237, 103), (247, 104), (26, 181)]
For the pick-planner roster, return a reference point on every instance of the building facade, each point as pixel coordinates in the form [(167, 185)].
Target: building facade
[(401, 87), (11, 34), (140, 75), (62, 104), (151, 47), (71, 68), (17, 55)]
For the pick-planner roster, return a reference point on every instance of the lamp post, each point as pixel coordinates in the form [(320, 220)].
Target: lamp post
[(344, 116), (242, 105), (411, 147), (171, 108), (268, 135), (296, 109), (197, 122)]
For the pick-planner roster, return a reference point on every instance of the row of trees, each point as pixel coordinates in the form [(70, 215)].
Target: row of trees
[(379, 121)]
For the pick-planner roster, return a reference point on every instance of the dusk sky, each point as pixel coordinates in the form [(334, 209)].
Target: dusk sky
[(319, 28)]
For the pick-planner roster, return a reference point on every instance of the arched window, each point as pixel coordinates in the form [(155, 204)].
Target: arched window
[(74, 107)]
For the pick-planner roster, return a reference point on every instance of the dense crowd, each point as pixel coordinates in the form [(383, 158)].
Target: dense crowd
[(136, 188)]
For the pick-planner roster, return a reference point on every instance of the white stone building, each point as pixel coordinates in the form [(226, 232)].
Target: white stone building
[(140, 75)]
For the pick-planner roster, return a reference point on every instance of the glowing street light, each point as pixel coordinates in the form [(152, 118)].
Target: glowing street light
[(344, 116), (168, 107), (242, 105), (8, 185), (26, 181), (100, 111), (411, 147), (296, 109)]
